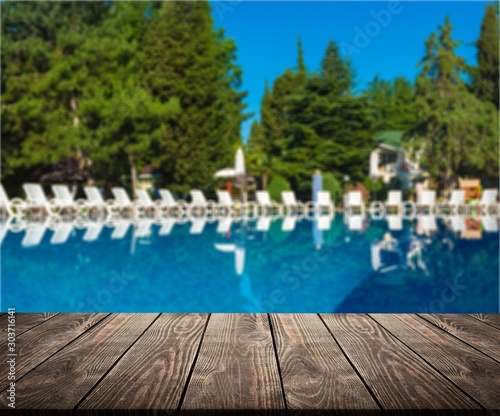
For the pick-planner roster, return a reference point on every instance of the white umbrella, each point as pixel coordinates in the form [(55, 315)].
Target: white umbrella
[(238, 170)]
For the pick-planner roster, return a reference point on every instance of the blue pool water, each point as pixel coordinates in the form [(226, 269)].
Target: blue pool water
[(253, 267)]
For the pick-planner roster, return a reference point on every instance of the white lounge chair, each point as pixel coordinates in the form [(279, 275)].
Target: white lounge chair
[(93, 231), (34, 234), (488, 202), (64, 200), (457, 223), (170, 205), (288, 223), (293, 206), (230, 207), (453, 205), (13, 207), (36, 199), (427, 222), (120, 229), (143, 229), (353, 200), (265, 206), (428, 202), (197, 225), (324, 222), (62, 231), (490, 223), (263, 224), (394, 200), (324, 203), (145, 205), (224, 225), (96, 201), (166, 226), (394, 222), (200, 205), (122, 201), (354, 222)]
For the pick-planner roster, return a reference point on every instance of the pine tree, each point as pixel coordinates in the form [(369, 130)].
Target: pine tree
[(487, 76), (456, 134), (330, 128), (185, 58)]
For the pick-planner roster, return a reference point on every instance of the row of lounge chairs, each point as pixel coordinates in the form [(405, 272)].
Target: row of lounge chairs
[(64, 204), (62, 230)]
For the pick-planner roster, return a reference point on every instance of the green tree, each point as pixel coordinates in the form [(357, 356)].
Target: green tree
[(457, 134), (487, 74), (184, 57), (330, 128)]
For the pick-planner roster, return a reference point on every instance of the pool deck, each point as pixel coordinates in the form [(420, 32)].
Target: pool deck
[(255, 364)]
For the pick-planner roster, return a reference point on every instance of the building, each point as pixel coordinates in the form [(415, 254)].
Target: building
[(390, 162)]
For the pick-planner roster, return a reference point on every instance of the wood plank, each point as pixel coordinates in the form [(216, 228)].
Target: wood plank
[(35, 346), (493, 320), (159, 365), (64, 379), (471, 331), (27, 321), (315, 372), (472, 371), (236, 368), (398, 377)]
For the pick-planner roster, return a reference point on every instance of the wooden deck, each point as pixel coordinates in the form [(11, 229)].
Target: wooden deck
[(262, 364)]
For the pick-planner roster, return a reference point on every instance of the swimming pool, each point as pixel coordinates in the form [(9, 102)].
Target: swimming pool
[(265, 265)]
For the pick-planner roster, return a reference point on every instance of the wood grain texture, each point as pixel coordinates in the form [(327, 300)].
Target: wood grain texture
[(398, 377), (472, 371), (64, 379), (35, 346), (493, 320), (158, 363), (315, 372), (471, 331), (26, 321), (236, 368)]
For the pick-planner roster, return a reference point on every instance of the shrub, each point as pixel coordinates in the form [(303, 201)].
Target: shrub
[(332, 185), (276, 186)]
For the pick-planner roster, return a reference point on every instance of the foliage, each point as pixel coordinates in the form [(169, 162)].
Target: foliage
[(277, 185), (487, 74), (457, 134), (332, 185), (392, 104), (118, 85)]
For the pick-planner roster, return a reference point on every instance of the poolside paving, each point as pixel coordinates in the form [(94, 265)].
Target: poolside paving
[(301, 364)]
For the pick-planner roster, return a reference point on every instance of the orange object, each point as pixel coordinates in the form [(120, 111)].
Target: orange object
[(472, 188)]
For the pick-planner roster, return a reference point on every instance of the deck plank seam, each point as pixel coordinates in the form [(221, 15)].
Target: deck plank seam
[(193, 365), (454, 336), (425, 361), (275, 347), (480, 320), (29, 329), (60, 349), (113, 365), (372, 394)]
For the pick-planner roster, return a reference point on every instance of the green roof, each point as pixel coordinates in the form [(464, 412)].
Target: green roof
[(389, 137)]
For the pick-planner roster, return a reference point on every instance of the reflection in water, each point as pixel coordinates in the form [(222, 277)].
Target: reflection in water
[(350, 263)]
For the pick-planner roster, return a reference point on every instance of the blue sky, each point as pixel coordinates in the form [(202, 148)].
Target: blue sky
[(266, 33)]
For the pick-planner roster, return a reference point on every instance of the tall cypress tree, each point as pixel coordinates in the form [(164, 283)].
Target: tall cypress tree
[(487, 76), (185, 57)]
